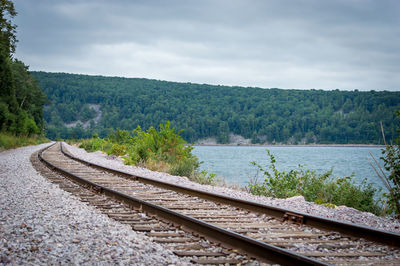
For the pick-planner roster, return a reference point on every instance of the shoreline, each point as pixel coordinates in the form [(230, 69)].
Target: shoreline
[(341, 213), (295, 145)]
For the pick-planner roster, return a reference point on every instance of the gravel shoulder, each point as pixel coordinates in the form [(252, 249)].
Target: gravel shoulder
[(42, 224), (340, 213)]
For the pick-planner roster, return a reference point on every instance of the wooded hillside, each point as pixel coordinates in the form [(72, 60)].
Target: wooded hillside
[(21, 100), (264, 115)]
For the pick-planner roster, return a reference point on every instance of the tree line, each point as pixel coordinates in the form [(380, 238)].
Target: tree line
[(201, 110), (21, 99)]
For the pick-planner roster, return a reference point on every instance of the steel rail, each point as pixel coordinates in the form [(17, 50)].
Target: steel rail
[(376, 235), (252, 247)]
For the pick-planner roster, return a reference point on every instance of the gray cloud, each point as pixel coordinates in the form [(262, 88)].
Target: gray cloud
[(346, 44)]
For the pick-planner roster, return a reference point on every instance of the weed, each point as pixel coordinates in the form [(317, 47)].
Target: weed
[(391, 159), (319, 188), (159, 150), (10, 141), (203, 177)]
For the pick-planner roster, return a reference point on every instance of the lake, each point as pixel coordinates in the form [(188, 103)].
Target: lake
[(233, 162)]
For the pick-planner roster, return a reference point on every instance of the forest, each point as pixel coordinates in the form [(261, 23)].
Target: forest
[(21, 99), (263, 115)]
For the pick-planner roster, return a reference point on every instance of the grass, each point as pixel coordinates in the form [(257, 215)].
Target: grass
[(10, 141)]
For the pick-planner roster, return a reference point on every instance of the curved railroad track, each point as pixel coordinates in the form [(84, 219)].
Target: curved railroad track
[(212, 229)]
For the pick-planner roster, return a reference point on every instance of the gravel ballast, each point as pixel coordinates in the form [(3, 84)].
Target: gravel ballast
[(340, 213), (42, 224)]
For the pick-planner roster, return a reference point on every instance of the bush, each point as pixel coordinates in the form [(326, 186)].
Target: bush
[(319, 188), (183, 167), (117, 149), (165, 145), (391, 159), (203, 177), (94, 144), (162, 150)]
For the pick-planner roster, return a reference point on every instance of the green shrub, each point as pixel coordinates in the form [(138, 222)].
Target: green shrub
[(162, 150), (117, 149), (165, 145), (183, 167), (319, 188), (93, 144), (119, 136), (203, 177), (391, 160), (391, 178)]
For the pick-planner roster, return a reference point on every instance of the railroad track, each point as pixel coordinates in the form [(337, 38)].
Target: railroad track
[(212, 229)]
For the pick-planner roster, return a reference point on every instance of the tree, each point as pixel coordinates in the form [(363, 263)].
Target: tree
[(265, 115), (8, 38), (28, 93), (7, 47), (223, 133), (23, 114)]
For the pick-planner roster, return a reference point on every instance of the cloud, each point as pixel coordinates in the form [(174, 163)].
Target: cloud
[(345, 44)]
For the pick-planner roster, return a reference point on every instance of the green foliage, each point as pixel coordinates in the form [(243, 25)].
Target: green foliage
[(392, 164), (117, 149), (164, 145), (319, 188), (7, 28), (119, 137), (391, 159), (86, 113), (94, 144), (21, 100), (10, 141), (203, 177), (184, 167), (161, 150), (263, 115)]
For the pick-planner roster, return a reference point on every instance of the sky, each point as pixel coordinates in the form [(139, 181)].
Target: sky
[(296, 44)]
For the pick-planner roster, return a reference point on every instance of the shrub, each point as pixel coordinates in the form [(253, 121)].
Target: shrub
[(319, 188), (117, 149), (162, 150), (203, 177), (119, 136), (93, 144), (183, 167), (391, 159), (165, 145)]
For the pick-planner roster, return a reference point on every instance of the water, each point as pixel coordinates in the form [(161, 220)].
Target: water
[(233, 162)]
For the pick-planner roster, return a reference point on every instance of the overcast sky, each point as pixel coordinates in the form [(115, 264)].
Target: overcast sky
[(301, 44)]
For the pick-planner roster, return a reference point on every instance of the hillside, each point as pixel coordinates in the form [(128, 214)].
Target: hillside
[(21, 99), (202, 111)]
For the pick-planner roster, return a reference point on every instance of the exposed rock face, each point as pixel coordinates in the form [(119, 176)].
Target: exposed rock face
[(207, 141), (233, 140), (96, 119), (238, 140)]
